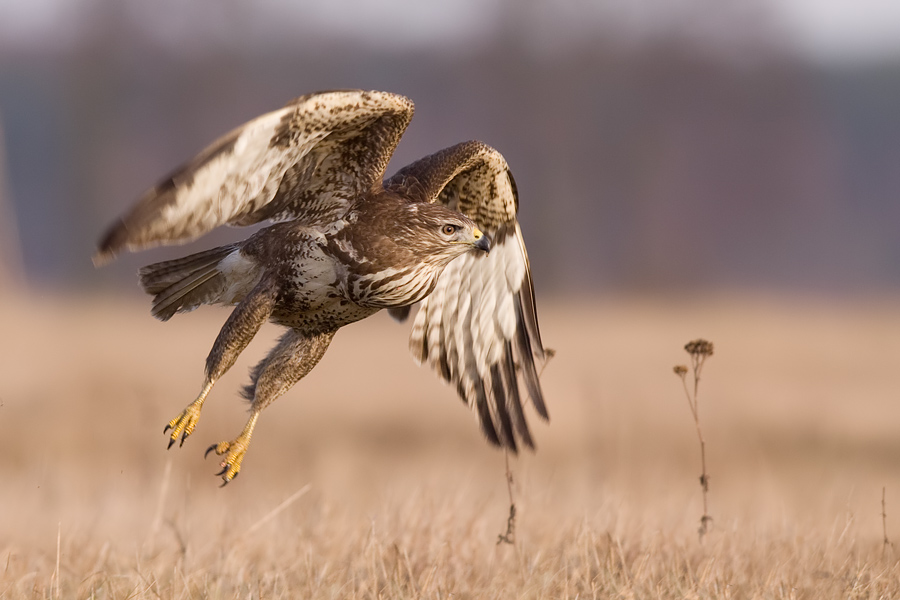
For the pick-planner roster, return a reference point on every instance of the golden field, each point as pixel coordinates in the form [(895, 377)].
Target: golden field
[(391, 492)]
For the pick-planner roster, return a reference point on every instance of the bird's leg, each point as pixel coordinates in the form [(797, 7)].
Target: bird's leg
[(287, 363), (243, 323)]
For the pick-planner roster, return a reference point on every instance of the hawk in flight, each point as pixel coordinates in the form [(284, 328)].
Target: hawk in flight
[(344, 244)]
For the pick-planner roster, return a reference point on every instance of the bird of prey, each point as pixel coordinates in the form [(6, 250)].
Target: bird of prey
[(345, 243)]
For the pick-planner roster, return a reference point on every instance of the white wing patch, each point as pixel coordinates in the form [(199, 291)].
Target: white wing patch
[(325, 148), (469, 329), (233, 183)]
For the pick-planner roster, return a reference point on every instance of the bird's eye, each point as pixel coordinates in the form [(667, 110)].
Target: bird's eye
[(449, 229)]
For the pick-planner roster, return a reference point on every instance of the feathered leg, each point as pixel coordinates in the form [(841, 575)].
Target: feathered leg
[(288, 362), (243, 323)]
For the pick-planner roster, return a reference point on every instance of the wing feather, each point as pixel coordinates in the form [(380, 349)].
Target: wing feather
[(498, 392), (478, 329), (513, 398), (306, 161)]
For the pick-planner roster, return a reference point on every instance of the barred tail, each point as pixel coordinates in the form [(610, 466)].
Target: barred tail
[(183, 284)]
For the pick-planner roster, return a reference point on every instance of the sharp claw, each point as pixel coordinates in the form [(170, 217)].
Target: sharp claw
[(167, 427), (171, 442), (208, 450), (183, 437), (226, 478)]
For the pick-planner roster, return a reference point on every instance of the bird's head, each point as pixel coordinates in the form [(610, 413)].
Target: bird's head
[(445, 233)]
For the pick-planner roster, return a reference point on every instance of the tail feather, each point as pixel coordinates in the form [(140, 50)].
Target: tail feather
[(183, 284)]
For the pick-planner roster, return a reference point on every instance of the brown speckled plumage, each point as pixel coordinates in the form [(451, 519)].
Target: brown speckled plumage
[(343, 246)]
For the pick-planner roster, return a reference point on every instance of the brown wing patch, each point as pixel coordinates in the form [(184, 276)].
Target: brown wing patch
[(470, 177)]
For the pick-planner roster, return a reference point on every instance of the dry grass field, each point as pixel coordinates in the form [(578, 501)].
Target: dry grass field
[(370, 480)]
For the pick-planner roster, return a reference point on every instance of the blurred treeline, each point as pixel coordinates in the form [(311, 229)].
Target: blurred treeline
[(650, 166)]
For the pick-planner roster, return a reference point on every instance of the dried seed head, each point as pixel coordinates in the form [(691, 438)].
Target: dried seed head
[(699, 348), (680, 370)]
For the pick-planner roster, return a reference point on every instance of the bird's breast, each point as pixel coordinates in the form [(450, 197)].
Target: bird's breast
[(314, 291), (393, 286)]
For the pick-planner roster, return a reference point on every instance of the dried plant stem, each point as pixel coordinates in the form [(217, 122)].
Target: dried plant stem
[(699, 350), (160, 504), (510, 536), (887, 541), (56, 571), (281, 507)]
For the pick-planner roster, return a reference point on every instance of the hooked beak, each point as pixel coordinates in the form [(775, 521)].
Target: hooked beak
[(482, 241)]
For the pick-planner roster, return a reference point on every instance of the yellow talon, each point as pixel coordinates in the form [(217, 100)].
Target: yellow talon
[(234, 451), (185, 423)]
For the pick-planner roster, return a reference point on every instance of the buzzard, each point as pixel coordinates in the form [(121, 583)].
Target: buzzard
[(344, 244)]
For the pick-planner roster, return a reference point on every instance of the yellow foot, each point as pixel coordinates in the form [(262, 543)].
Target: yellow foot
[(185, 423), (234, 455), (234, 451)]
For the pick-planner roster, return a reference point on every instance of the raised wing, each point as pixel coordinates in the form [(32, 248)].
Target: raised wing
[(478, 328), (306, 161)]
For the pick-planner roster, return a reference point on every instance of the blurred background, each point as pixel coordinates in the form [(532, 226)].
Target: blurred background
[(657, 145), (686, 168)]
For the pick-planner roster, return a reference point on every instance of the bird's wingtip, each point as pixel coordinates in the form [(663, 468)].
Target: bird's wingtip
[(102, 257)]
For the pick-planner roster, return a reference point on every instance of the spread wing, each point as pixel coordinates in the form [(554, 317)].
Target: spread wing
[(306, 161), (478, 328)]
